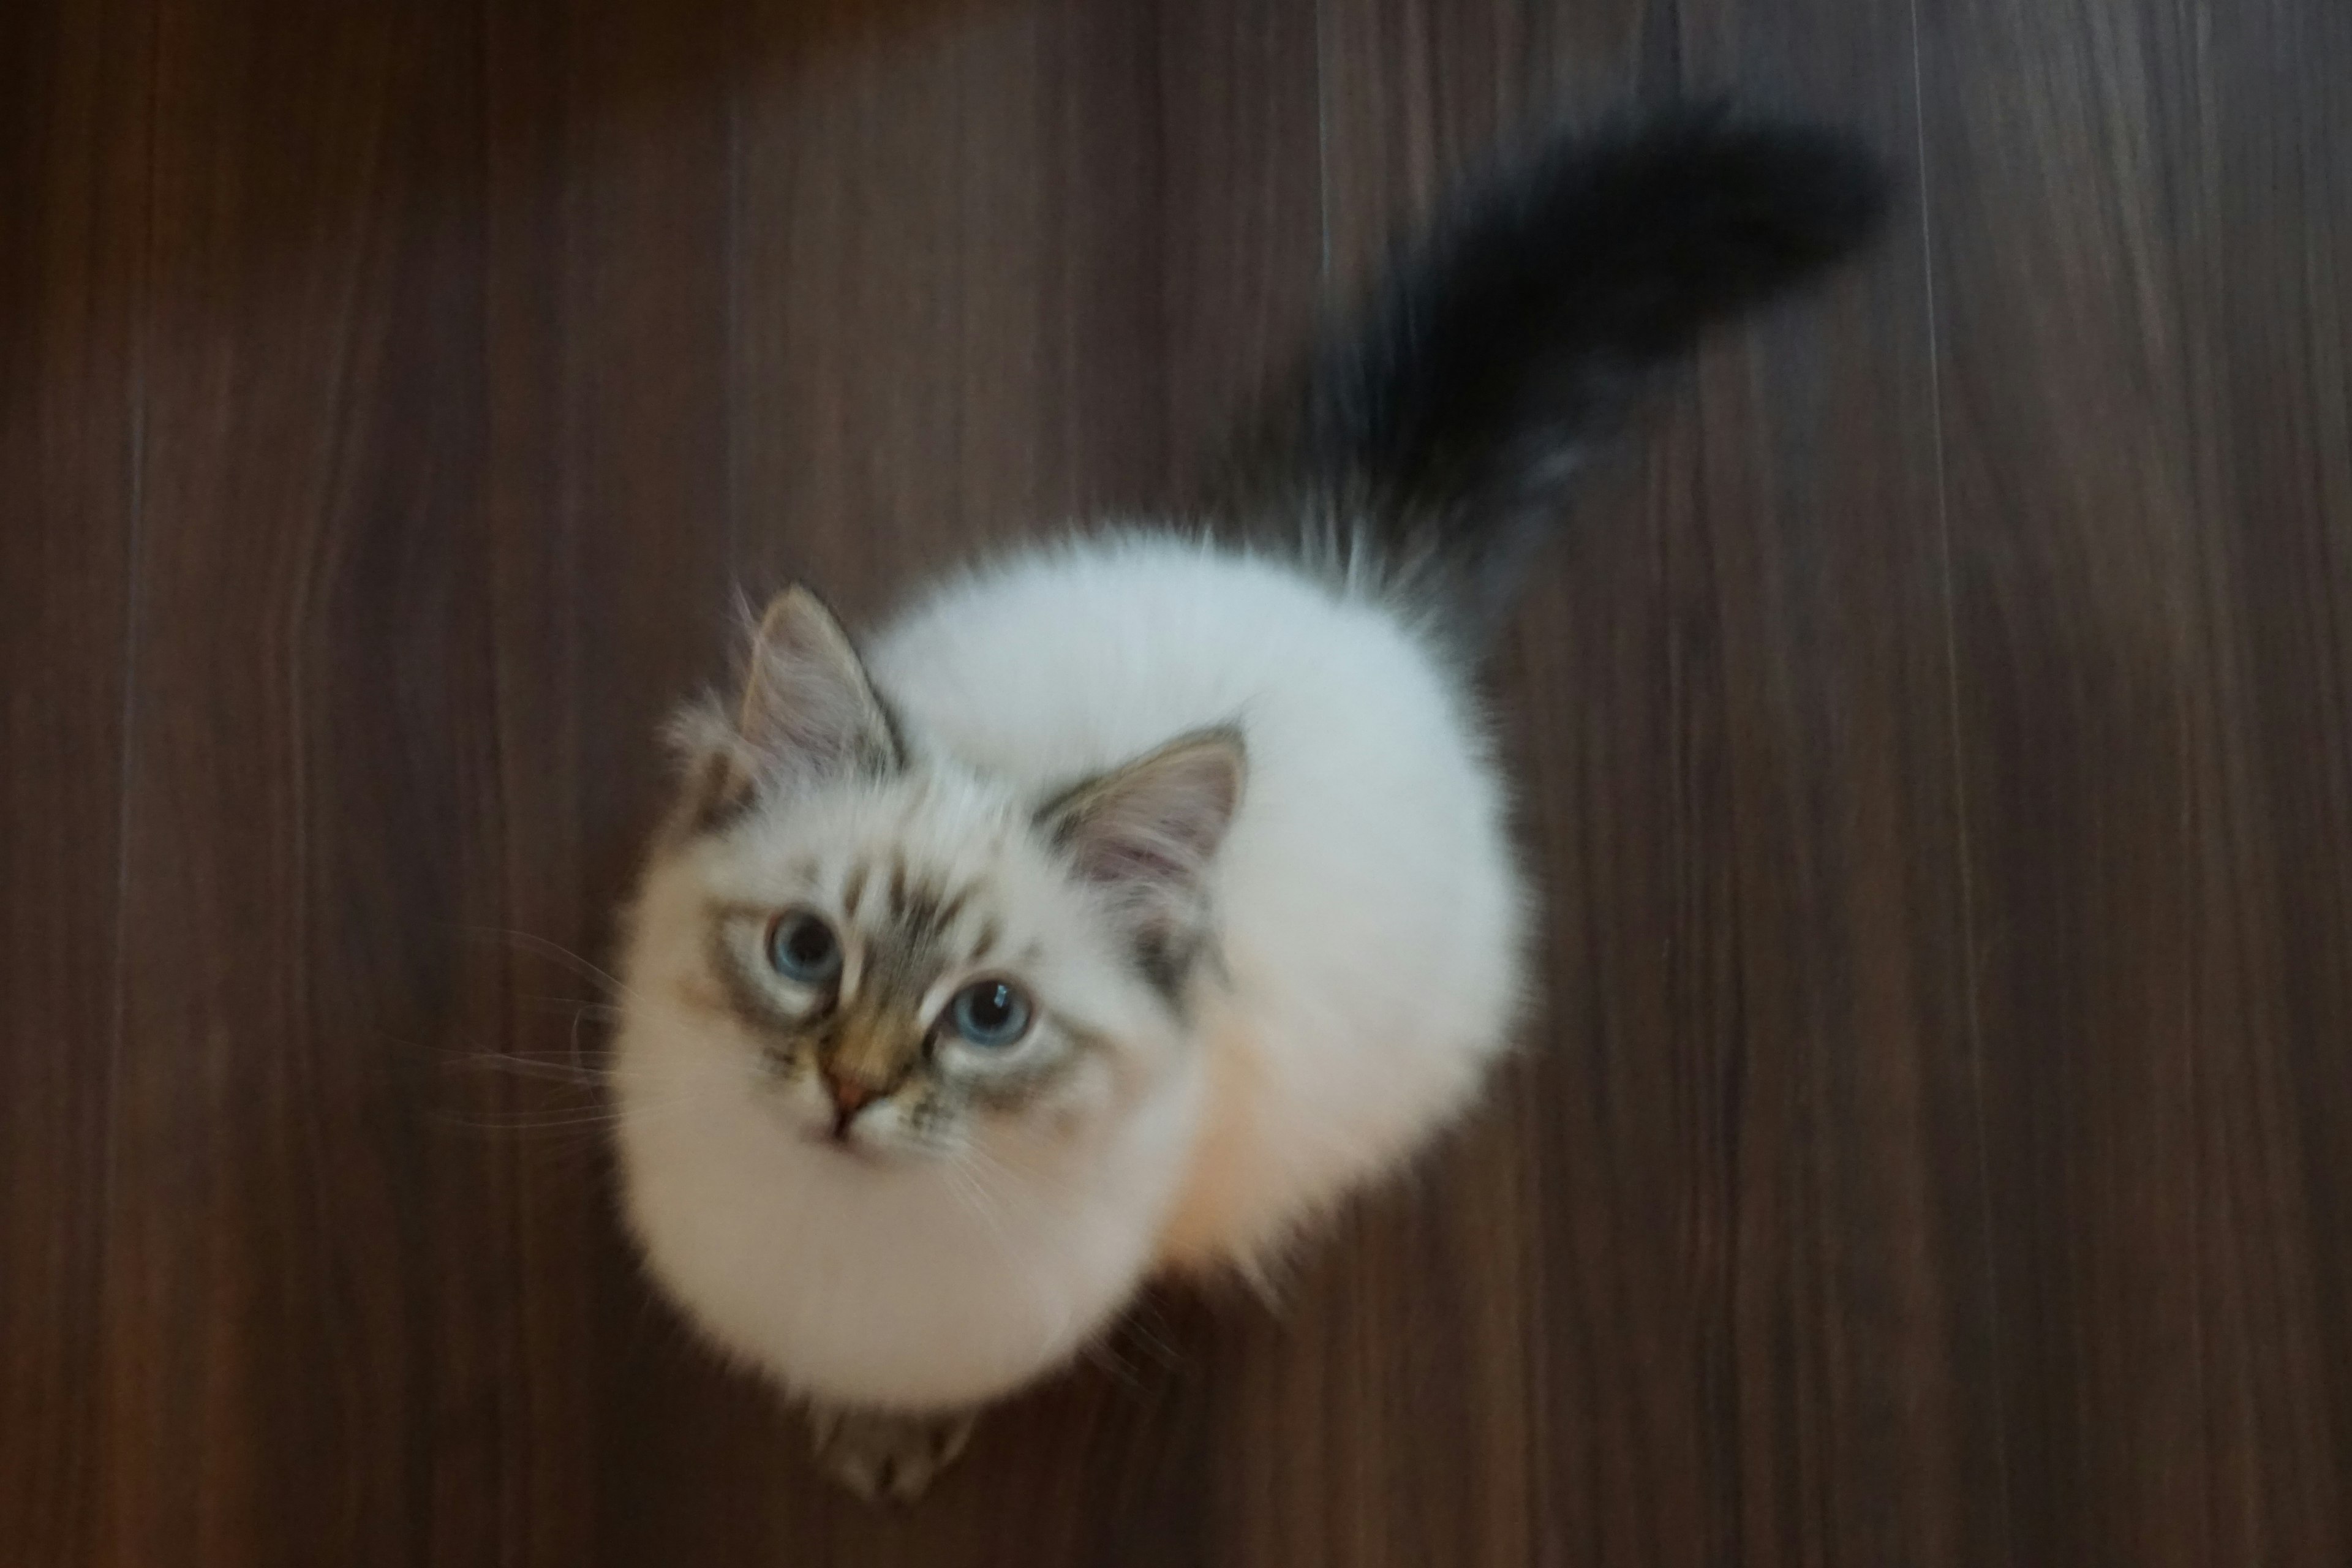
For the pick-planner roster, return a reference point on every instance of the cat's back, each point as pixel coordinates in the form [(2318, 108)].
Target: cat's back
[(1061, 660)]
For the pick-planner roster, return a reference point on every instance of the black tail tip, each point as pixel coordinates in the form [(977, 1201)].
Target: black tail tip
[(1706, 213), (1517, 329)]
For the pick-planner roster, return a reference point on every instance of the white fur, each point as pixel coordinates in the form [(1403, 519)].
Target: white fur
[(1367, 969)]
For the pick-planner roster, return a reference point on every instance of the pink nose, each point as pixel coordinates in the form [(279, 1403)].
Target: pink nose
[(850, 1096)]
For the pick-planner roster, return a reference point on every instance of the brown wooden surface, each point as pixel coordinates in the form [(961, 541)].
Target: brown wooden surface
[(1936, 745)]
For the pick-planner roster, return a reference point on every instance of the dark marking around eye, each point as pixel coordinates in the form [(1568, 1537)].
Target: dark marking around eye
[(897, 890), (989, 933), (752, 1001), (853, 891), (1013, 1091), (952, 908)]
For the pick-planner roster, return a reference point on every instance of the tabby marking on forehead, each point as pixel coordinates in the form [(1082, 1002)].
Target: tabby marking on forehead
[(897, 888), (945, 914), (911, 952), (929, 912)]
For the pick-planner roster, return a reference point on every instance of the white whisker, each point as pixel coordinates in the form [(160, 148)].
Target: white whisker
[(555, 950)]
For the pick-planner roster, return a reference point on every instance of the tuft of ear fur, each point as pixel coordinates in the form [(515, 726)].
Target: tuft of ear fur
[(1446, 420), (1147, 833), (807, 710)]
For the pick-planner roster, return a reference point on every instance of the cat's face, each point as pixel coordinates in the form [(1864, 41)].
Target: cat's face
[(907, 964), (907, 960)]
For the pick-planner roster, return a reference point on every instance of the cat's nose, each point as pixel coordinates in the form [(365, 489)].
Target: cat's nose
[(850, 1095)]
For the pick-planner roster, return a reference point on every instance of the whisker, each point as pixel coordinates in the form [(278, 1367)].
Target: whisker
[(965, 1180), (1140, 1322), (531, 1121), (552, 1069), (1101, 1352), (576, 1007), (535, 1068), (542, 1068), (594, 1117), (554, 951)]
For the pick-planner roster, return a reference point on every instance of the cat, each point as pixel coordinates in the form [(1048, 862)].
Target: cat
[(1127, 902)]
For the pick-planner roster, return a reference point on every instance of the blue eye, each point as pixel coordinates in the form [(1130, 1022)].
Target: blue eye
[(989, 1013), (803, 948)]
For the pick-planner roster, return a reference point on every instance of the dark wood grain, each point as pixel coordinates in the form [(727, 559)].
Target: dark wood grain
[(308, 710), (2141, 268), (74, 86), (1936, 744)]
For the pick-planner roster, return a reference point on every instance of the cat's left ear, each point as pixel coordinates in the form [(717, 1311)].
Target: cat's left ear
[(807, 708), (1150, 829)]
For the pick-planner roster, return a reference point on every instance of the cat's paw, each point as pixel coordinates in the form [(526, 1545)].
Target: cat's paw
[(886, 1458)]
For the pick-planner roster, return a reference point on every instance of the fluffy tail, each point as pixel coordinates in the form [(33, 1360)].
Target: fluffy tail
[(1443, 427)]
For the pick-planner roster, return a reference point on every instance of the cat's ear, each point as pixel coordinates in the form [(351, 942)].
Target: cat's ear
[(807, 708), (1152, 827)]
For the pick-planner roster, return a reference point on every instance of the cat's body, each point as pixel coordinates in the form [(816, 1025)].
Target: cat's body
[(1133, 901), (1370, 824)]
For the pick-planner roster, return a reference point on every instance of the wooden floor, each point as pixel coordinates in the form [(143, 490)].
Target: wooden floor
[(1937, 1147)]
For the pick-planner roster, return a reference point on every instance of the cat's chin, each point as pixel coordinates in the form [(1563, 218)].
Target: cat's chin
[(845, 1148), (854, 1151)]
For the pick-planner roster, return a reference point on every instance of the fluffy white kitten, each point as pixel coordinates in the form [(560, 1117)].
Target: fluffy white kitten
[(1131, 901)]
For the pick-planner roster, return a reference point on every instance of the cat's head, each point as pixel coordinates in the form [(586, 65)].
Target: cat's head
[(904, 957)]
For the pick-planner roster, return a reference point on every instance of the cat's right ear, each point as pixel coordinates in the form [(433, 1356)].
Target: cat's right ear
[(807, 710)]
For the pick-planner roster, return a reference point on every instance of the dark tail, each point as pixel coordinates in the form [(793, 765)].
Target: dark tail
[(1443, 427)]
